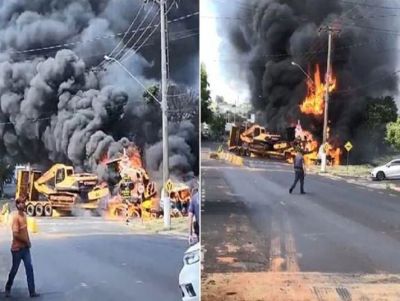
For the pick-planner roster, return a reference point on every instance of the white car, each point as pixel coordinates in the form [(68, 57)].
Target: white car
[(189, 277), (390, 170)]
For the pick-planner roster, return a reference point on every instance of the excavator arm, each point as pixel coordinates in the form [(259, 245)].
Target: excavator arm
[(42, 184)]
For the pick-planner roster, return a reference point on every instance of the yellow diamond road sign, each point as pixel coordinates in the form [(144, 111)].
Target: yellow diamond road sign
[(348, 146), (169, 186)]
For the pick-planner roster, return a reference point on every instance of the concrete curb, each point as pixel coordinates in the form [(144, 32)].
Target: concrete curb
[(395, 188), (231, 158)]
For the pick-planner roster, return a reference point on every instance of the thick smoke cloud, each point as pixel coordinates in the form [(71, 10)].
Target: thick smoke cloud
[(55, 108), (270, 34)]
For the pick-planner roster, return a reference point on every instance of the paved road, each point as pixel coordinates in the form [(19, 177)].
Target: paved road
[(251, 223), (91, 259)]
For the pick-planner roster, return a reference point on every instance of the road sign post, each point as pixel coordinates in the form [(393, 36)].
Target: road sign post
[(348, 146)]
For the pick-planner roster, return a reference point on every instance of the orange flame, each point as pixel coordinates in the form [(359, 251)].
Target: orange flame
[(103, 160), (311, 148), (135, 159), (334, 153), (314, 102)]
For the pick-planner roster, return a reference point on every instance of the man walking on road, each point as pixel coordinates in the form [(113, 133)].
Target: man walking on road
[(298, 171), (20, 249)]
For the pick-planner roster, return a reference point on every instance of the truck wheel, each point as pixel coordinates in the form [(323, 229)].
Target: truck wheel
[(380, 176), (48, 210), (30, 210), (39, 210)]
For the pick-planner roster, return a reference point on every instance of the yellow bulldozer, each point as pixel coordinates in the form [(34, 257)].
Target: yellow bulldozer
[(59, 188), (253, 139)]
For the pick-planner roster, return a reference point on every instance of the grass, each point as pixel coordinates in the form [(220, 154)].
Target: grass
[(362, 170), (179, 226), (346, 171)]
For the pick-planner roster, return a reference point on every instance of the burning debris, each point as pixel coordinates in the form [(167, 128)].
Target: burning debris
[(55, 108), (135, 195), (273, 33)]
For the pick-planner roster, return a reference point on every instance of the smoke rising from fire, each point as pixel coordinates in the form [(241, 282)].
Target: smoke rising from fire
[(269, 34), (54, 108)]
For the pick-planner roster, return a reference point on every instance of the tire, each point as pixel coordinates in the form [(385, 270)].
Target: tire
[(30, 210), (39, 210), (48, 210), (380, 176)]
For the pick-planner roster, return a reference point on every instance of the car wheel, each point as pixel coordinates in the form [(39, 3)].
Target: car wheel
[(380, 176)]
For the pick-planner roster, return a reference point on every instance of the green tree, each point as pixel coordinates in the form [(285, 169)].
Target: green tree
[(217, 126), (380, 111), (206, 113), (393, 134), (154, 90)]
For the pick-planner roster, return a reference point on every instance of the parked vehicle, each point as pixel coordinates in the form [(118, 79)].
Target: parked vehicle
[(189, 277), (390, 170)]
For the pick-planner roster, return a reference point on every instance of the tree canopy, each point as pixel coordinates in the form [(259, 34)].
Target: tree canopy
[(380, 111), (393, 134), (206, 113)]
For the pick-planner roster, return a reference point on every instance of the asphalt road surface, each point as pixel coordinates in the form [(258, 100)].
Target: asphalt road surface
[(87, 258), (250, 223)]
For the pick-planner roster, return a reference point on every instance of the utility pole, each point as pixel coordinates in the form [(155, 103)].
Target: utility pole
[(164, 105), (330, 30), (234, 114)]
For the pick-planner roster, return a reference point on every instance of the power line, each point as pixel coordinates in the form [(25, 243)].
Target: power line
[(369, 84), (33, 120), (126, 33), (369, 5), (110, 36), (143, 33), (126, 55), (305, 54), (381, 30), (128, 30)]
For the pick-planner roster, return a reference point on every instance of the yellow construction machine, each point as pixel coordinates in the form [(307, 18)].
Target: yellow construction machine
[(252, 139), (137, 195), (59, 188)]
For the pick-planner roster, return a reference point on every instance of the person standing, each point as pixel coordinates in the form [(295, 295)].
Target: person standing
[(298, 171), (20, 249), (194, 216)]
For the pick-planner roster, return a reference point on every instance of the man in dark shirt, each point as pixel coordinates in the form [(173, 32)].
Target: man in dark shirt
[(298, 171), (194, 215)]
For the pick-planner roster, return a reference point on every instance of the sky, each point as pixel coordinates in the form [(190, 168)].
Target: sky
[(232, 88)]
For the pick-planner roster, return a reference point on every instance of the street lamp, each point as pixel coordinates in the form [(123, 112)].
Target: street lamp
[(302, 70), (163, 104), (109, 58)]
